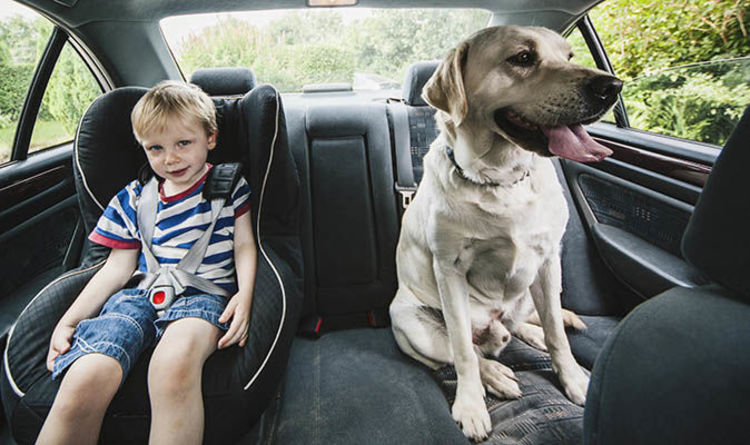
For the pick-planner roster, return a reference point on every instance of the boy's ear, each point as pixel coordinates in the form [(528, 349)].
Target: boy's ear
[(212, 139)]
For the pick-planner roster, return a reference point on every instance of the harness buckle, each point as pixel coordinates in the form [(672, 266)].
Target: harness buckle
[(161, 297)]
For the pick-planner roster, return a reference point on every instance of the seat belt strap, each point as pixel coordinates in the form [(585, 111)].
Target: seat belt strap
[(405, 186)]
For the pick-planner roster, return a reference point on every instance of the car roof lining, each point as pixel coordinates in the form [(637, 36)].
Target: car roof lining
[(556, 14)]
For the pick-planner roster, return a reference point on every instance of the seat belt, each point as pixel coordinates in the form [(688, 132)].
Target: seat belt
[(166, 283), (405, 186)]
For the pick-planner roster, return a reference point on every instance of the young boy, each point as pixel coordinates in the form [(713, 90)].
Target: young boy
[(176, 125)]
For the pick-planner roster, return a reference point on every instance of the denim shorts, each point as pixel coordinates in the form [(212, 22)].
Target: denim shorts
[(128, 325)]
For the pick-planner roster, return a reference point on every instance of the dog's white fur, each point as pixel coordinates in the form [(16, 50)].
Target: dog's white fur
[(477, 254)]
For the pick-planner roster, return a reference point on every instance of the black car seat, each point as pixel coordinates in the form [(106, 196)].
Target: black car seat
[(238, 383), (676, 369)]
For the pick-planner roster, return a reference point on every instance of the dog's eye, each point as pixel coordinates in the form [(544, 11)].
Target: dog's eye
[(524, 58)]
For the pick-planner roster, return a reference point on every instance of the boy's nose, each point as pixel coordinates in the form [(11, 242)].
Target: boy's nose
[(171, 156)]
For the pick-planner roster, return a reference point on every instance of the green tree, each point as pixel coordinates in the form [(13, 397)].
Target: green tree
[(21, 44), (231, 42), (70, 90), (386, 43), (646, 35)]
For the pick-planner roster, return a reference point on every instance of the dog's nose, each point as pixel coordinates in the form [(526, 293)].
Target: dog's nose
[(604, 88)]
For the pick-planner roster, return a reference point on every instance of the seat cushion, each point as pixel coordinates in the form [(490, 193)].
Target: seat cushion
[(587, 344), (356, 386)]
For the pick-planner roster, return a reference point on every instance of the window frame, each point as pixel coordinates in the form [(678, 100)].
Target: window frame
[(35, 93)]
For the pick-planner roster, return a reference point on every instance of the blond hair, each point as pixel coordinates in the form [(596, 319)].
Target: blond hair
[(170, 99)]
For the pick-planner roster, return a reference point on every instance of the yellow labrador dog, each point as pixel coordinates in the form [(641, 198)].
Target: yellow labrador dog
[(480, 244)]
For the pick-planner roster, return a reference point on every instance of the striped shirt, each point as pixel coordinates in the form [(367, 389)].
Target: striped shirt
[(180, 221)]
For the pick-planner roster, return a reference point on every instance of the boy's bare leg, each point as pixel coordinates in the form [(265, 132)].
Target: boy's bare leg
[(85, 392), (174, 381)]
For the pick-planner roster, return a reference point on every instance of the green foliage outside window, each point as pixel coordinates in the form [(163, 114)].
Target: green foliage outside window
[(70, 89), (303, 47), (657, 47)]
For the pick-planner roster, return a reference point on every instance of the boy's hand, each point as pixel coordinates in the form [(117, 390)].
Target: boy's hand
[(238, 309), (59, 344)]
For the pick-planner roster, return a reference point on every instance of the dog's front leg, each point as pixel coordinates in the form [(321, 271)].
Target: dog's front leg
[(468, 408), (545, 292)]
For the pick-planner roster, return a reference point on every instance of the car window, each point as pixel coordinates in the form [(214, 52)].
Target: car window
[(70, 90), (582, 56), (367, 48), (684, 64), (23, 35)]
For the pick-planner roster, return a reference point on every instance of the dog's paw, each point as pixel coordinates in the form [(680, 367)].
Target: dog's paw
[(576, 383), (531, 334), (472, 417), (499, 379), (571, 320)]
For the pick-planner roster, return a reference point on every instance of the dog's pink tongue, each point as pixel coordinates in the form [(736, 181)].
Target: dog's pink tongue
[(575, 144)]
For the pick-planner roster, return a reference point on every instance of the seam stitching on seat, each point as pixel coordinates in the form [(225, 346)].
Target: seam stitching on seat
[(8, 372), (263, 251)]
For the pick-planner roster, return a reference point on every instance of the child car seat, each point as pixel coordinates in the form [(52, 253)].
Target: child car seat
[(238, 383)]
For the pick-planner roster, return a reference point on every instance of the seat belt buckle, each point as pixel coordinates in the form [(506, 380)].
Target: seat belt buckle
[(407, 195), (161, 297)]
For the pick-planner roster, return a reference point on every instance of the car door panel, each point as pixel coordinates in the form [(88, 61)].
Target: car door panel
[(40, 231), (636, 205)]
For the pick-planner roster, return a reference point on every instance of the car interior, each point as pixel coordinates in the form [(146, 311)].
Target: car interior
[(654, 257)]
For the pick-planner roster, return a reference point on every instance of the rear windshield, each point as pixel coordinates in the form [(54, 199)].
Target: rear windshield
[(369, 49)]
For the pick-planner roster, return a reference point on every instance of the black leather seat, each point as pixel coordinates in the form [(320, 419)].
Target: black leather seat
[(676, 369), (238, 383)]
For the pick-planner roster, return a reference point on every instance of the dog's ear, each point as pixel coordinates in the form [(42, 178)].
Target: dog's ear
[(445, 89)]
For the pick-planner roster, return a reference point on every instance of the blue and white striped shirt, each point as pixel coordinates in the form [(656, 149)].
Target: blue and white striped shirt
[(180, 221)]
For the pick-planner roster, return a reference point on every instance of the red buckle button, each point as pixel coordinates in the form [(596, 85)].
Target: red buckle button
[(159, 297)]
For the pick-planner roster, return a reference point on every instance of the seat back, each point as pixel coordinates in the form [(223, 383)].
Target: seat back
[(717, 240), (349, 214)]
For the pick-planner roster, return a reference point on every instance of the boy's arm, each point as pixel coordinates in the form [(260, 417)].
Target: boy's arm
[(245, 262), (116, 271)]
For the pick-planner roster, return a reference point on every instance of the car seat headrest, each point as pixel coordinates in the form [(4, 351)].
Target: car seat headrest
[(224, 81), (416, 76), (717, 239)]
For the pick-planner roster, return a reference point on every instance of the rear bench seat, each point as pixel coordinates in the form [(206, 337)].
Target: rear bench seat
[(349, 385), (352, 384)]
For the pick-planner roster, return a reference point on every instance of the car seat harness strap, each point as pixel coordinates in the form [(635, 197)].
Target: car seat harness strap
[(166, 283)]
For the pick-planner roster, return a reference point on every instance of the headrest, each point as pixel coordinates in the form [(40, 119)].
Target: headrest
[(717, 238), (224, 81), (416, 77)]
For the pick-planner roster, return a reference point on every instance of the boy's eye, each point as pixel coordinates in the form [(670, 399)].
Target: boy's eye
[(184, 143), (153, 147)]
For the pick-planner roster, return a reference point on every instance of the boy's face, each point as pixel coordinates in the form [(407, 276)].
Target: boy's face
[(178, 154)]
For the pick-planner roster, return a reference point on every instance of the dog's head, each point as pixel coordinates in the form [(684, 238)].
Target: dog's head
[(519, 83)]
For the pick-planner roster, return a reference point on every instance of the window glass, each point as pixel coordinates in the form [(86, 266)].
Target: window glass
[(684, 63), (582, 56), (23, 37), (370, 49), (70, 90)]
